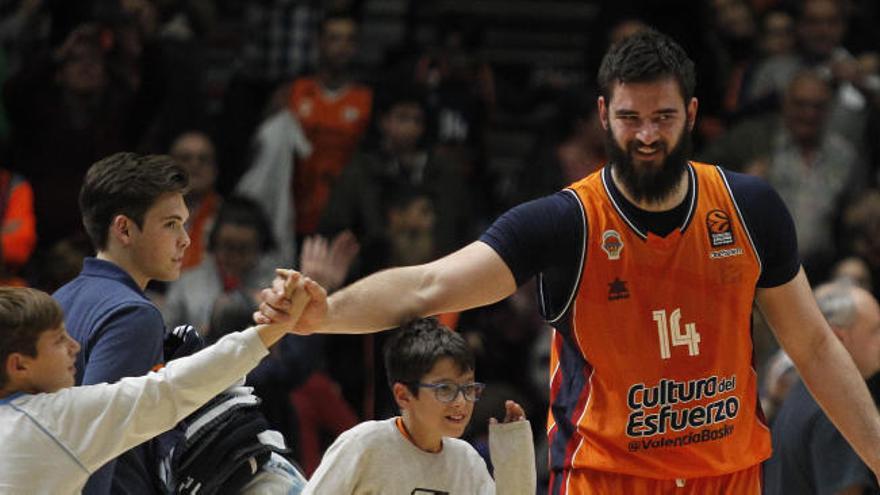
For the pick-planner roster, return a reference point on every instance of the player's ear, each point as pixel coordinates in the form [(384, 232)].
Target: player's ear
[(402, 395), (602, 105), (692, 113)]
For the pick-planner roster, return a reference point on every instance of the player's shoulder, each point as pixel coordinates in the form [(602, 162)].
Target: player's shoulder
[(744, 187), (559, 202)]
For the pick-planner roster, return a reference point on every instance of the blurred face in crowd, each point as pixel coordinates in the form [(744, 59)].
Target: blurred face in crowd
[(855, 270), (403, 126), (410, 231), (805, 108), (236, 249), (777, 36), (862, 339), (195, 153), (338, 43), (862, 224), (821, 28), (734, 19), (647, 127), (83, 70)]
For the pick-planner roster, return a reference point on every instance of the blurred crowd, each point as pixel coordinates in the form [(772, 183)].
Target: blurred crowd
[(300, 154)]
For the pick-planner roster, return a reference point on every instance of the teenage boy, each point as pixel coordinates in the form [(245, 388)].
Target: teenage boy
[(431, 373), (55, 435), (133, 210)]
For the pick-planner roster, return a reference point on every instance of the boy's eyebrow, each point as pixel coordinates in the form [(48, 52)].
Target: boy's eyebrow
[(172, 217)]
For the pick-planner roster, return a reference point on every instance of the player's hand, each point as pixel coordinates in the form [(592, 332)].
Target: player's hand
[(276, 302), (513, 412)]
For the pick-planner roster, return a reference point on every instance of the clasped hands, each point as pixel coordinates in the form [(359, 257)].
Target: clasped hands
[(292, 297)]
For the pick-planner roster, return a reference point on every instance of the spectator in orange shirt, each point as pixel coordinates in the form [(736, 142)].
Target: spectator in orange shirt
[(194, 151), (334, 112), (19, 234)]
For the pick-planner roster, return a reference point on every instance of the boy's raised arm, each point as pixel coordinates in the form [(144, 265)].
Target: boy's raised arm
[(513, 453), (133, 410)]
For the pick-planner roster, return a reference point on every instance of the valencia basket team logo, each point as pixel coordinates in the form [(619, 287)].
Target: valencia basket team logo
[(612, 244)]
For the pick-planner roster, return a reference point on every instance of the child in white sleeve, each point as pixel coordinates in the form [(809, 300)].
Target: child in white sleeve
[(55, 435)]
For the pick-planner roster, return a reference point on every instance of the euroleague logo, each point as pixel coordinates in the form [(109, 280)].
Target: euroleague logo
[(720, 231)]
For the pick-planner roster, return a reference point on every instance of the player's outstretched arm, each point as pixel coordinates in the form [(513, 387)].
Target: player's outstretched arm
[(472, 276), (824, 365)]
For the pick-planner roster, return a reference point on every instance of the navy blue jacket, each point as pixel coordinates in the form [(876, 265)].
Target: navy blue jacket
[(121, 333)]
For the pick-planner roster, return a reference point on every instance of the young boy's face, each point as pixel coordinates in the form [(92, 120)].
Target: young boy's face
[(157, 248), (54, 367), (446, 419), (403, 126)]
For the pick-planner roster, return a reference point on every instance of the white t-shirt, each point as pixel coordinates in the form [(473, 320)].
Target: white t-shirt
[(375, 458), (51, 443)]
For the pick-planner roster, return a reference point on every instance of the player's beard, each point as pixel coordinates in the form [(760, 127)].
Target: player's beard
[(647, 183)]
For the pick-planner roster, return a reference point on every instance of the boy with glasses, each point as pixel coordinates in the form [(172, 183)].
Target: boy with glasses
[(431, 374)]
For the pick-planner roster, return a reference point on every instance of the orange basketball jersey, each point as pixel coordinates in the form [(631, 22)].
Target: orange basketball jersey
[(333, 123), (656, 379)]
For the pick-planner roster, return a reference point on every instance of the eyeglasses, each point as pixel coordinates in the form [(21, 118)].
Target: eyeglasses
[(448, 392)]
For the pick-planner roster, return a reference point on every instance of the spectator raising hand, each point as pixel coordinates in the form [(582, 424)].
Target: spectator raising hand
[(328, 262)]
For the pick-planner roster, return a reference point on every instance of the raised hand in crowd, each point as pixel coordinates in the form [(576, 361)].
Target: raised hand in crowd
[(327, 263)]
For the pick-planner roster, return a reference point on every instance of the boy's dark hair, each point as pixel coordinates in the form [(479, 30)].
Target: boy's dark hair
[(402, 197), (646, 56), (394, 94), (126, 184), (24, 315), (239, 210), (413, 351)]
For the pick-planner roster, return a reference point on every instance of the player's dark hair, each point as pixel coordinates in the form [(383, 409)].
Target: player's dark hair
[(413, 351), (24, 315), (126, 184), (239, 210), (647, 56)]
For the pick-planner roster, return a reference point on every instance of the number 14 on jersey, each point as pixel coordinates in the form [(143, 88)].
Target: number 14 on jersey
[(669, 329)]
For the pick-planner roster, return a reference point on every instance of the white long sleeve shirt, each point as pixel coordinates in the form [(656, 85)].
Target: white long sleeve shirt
[(51, 443), (375, 458)]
